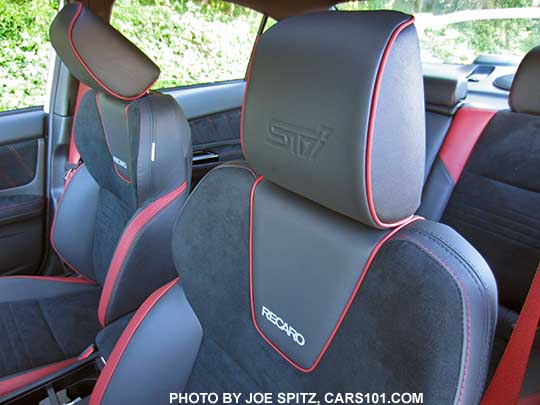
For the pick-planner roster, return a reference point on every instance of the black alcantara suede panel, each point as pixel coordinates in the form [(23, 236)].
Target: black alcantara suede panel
[(394, 339), (496, 203), (92, 145), (111, 218), (40, 332)]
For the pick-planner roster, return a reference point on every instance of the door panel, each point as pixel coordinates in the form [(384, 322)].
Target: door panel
[(213, 112), (22, 206)]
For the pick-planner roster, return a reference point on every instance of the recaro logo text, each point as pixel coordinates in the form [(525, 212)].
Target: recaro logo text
[(302, 142), (284, 326)]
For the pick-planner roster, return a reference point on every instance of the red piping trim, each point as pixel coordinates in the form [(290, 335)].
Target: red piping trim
[(467, 127), (123, 341), (107, 141), (129, 235), (83, 63), (86, 353), (14, 383), (58, 279), (349, 302), (371, 126), (68, 181), (248, 77), (467, 305)]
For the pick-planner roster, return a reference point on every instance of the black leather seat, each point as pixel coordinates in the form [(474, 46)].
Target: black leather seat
[(306, 271), (114, 220)]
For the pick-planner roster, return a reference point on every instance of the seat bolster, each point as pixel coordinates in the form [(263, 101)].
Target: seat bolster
[(164, 335), (143, 259), (22, 288), (478, 291), (72, 231)]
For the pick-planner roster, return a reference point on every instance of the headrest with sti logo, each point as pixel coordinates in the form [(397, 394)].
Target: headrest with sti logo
[(99, 56), (334, 111)]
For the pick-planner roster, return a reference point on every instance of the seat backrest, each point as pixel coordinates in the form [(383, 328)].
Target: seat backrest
[(114, 219), (495, 204), (309, 272)]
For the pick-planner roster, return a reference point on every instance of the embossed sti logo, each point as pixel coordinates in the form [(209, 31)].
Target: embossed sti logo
[(302, 142)]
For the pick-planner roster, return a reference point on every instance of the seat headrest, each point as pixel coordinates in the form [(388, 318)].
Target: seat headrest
[(525, 91), (334, 111), (99, 56), (444, 94)]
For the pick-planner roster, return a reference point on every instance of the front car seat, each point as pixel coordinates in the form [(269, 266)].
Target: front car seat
[(114, 220), (306, 270)]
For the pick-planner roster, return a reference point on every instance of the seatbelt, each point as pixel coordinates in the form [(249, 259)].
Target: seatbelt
[(74, 158), (505, 386)]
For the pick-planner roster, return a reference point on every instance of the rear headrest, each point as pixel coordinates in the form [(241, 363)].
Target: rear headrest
[(99, 56), (525, 91), (444, 93), (334, 111)]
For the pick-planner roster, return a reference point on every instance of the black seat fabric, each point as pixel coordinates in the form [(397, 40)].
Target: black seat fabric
[(496, 202), (114, 219), (306, 268)]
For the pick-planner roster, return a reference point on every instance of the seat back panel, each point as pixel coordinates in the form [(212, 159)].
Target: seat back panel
[(404, 313), (306, 263), (496, 203)]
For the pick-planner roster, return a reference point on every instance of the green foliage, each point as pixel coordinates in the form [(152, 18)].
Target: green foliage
[(24, 40), (202, 41), (461, 42), (192, 42)]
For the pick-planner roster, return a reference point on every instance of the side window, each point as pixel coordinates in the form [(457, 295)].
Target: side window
[(24, 59), (193, 42)]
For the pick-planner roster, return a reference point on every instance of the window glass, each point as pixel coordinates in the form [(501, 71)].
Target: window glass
[(25, 50), (193, 42), (457, 31)]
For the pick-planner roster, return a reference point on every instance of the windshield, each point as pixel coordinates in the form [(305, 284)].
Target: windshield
[(458, 31)]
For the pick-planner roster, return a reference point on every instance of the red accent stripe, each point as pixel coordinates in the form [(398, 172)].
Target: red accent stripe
[(123, 341), (466, 128), (74, 155), (59, 279), (371, 127), (507, 381), (107, 139), (83, 63), (349, 302), (125, 244), (29, 377), (86, 353), (68, 181), (248, 77)]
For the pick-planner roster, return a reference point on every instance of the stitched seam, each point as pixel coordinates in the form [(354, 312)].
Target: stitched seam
[(235, 166), (4, 207), (18, 332), (501, 181), (51, 330), (505, 221), (481, 207), (485, 224), (21, 160), (494, 233), (463, 294), (440, 241)]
